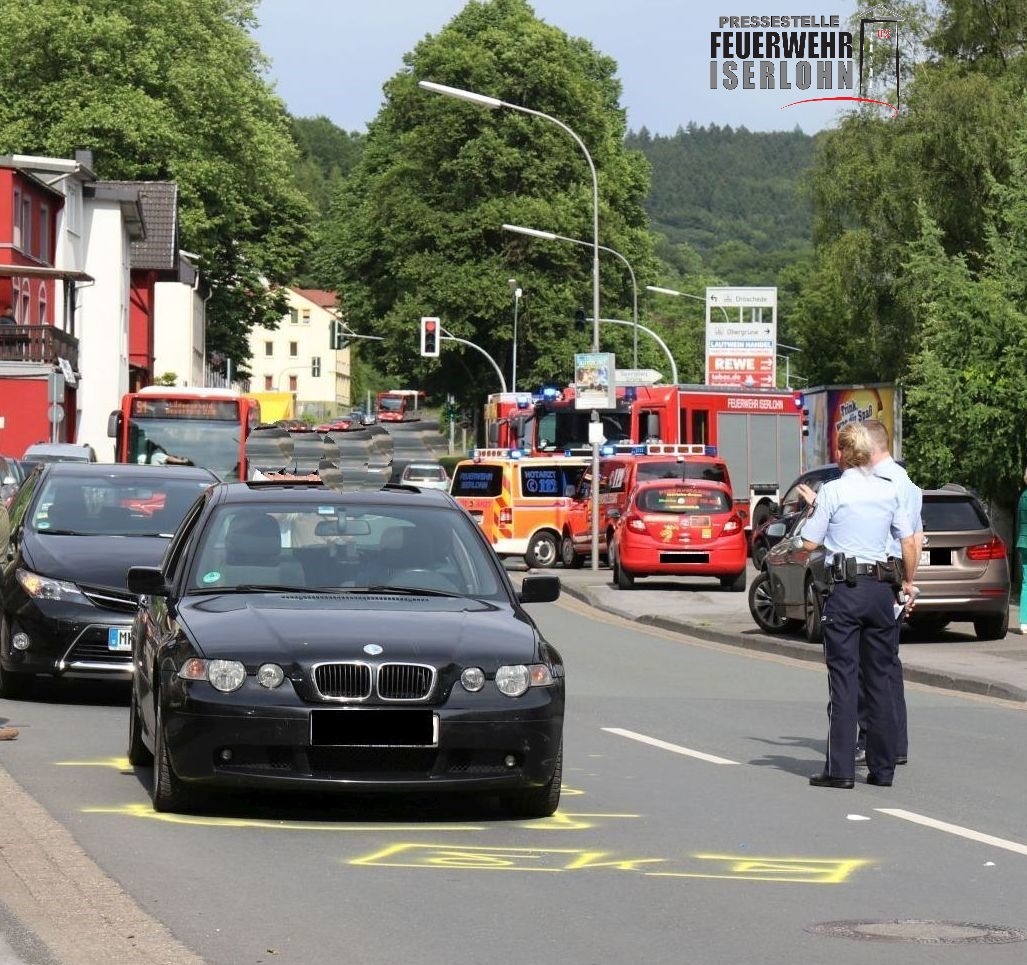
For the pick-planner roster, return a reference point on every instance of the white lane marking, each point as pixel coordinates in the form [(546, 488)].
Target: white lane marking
[(664, 745), (955, 829)]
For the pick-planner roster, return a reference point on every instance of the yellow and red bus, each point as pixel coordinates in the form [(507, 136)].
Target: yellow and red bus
[(192, 427)]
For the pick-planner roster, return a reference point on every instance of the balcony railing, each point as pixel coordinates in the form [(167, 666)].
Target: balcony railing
[(37, 343)]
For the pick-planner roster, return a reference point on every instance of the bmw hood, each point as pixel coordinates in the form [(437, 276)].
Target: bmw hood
[(305, 629), (91, 560)]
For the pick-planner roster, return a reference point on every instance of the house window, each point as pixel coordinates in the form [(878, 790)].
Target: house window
[(16, 233), (315, 366), (305, 316), (42, 304), (292, 383), (44, 235), (269, 348), (269, 383), (294, 349), (73, 207), (26, 306), (294, 316), (16, 299), (26, 225)]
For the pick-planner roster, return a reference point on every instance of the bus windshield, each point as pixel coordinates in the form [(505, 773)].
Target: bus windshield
[(391, 403), (197, 442)]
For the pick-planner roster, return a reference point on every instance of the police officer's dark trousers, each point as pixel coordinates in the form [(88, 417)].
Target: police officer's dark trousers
[(899, 690), (860, 639)]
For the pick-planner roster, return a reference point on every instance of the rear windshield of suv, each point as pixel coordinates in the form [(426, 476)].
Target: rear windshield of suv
[(477, 481), (948, 514)]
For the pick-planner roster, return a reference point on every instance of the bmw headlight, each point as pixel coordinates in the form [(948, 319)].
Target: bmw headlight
[(270, 675), (43, 588), (516, 679), (473, 679), (223, 675)]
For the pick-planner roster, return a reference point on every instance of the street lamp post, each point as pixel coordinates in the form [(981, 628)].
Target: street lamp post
[(551, 236), (674, 291), (493, 103), (516, 289)]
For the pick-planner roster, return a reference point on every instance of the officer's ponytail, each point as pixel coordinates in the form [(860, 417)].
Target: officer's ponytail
[(855, 446)]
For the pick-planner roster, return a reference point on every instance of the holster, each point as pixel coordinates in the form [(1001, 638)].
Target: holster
[(891, 572)]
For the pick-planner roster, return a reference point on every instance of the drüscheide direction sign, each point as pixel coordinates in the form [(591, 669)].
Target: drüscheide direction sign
[(637, 377)]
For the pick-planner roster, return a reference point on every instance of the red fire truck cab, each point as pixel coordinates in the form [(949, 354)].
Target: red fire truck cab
[(756, 432)]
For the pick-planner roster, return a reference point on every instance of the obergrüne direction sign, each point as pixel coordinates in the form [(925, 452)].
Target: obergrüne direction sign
[(628, 377)]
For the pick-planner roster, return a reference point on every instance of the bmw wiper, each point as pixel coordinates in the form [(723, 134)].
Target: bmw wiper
[(251, 588), (58, 532), (404, 590)]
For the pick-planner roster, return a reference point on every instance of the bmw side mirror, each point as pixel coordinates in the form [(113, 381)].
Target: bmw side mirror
[(147, 581), (539, 589), (777, 529)]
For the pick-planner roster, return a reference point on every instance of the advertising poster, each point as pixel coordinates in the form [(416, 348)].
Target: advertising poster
[(832, 408), (594, 381)]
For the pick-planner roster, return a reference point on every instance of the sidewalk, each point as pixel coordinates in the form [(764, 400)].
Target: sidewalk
[(953, 659)]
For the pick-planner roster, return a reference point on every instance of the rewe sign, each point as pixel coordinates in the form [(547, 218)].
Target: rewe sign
[(741, 337)]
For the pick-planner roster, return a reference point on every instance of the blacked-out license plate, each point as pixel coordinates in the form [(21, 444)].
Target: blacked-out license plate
[(374, 728)]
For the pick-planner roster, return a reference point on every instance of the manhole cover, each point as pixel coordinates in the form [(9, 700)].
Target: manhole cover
[(920, 932)]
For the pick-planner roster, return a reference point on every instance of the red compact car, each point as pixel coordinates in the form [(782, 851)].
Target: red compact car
[(680, 528)]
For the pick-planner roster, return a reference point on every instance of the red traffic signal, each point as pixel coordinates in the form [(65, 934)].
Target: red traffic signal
[(430, 337)]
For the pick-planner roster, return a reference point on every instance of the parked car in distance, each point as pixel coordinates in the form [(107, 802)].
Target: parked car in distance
[(963, 574), (299, 637), (334, 425), (792, 503), (426, 475), (682, 528), (76, 528), (58, 452)]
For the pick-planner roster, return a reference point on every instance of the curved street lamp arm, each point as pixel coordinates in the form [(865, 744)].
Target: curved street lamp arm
[(659, 341), (452, 338)]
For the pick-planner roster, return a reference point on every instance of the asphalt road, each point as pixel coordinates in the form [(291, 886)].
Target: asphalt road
[(687, 833)]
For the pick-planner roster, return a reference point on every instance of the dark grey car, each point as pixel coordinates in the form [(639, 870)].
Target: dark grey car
[(963, 573)]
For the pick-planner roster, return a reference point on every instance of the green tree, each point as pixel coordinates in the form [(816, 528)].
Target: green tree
[(168, 90), (416, 229), (968, 379)]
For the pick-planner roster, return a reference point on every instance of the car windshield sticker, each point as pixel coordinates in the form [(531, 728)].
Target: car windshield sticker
[(212, 577), (326, 510)]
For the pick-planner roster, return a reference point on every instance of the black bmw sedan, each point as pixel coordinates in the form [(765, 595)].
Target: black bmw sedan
[(297, 636), (76, 528)]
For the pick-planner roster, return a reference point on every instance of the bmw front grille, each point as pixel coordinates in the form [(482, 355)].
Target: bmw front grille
[(358, 681)]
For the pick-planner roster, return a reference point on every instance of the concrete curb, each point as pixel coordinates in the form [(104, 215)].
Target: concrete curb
[(799, 650)]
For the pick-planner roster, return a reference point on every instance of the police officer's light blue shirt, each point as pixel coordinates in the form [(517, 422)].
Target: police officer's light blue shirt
[(911, 498), (854, 515)]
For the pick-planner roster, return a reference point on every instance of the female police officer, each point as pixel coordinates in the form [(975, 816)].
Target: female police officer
[(854, 517)]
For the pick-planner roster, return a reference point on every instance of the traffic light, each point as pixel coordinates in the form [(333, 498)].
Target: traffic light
[(430, 337), (339, 339), (580, 320)]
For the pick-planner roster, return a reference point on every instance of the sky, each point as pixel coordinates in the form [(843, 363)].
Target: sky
[(331, 57)]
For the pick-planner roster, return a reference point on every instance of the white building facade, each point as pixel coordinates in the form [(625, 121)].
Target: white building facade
[(301, 357)]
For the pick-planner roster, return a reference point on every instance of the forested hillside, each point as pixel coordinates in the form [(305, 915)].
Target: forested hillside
[(731, 194)]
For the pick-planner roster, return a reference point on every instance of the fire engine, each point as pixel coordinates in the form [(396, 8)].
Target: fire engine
[(756, 432)]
